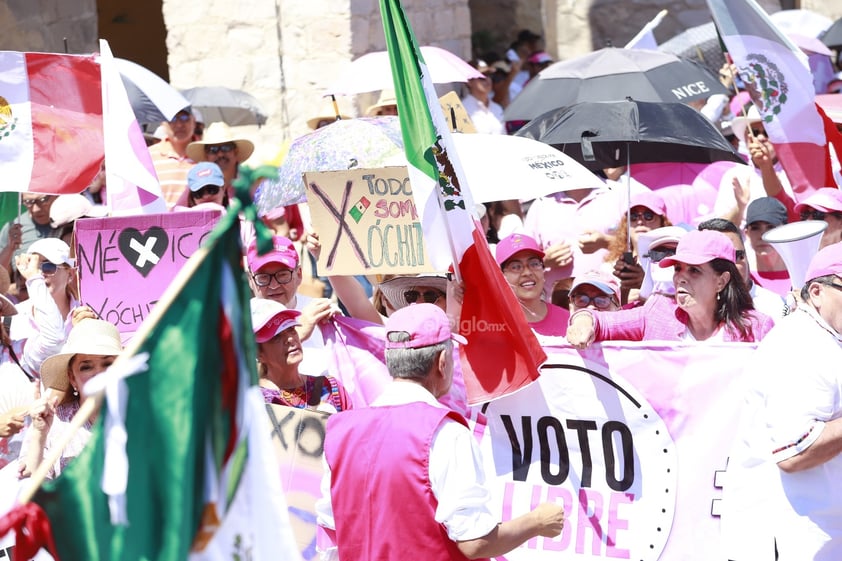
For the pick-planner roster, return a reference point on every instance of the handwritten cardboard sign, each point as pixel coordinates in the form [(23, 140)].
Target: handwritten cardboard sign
[(298, 436), (367, 222), (455, 114), (125, 263)]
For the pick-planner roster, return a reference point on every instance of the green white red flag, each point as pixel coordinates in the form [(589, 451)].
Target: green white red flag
[(777, 76), (193, 475), (502, 354), (50, 122)]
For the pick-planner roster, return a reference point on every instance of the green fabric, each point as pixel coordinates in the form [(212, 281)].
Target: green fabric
[(10, 207), (417, 128), (170, 410)]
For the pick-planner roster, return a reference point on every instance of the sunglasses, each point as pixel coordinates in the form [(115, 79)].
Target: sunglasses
[(817, 214), (40, 201), (265, 279), (217, 148), (739, 254), (181, 118), (517, 267), (834, 285), (646, 216), (429, 296), (656, 255), (601, 302), (48, 269), (758, 132), (207, 191)]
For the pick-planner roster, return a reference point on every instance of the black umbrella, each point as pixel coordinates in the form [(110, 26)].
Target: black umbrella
[(612, 74), (234, 107), (615, 133), (833, 36)]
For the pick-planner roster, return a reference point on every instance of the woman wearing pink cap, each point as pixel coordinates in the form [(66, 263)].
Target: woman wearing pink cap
[(711, 302), (824, 204), (647, 212), (522, 261)]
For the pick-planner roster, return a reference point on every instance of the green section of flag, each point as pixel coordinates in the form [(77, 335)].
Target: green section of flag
[(10, 207), (419, 134), (182, 402)]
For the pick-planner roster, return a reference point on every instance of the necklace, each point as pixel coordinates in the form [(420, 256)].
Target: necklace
[(536, 315)]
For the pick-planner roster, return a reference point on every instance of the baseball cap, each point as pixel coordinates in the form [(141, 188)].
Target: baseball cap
[(426, 325), (510, 245), (660, 236), (540, 58), (282, 252), (766, 209), (54, 250), (826, 199), (269, 317), (603, 281), (828, 261), (649, 200), (204, 173), (701, 246), (67, 208)]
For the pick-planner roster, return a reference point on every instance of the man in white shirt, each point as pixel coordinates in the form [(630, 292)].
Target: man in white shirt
[(485, 114)]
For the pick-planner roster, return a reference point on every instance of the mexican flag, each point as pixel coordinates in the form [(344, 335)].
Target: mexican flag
[(50, 122), (777, 76), (193, 470), (502, 354), (133, 187)]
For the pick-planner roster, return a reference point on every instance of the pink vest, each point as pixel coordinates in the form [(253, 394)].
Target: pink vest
[(380, 490)]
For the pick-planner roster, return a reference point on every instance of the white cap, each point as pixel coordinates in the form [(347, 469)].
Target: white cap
[(54, 250)]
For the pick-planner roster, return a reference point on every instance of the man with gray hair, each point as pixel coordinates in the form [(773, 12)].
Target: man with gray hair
[(383, 462)]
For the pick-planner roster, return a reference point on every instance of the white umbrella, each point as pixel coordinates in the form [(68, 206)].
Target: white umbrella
[(501, 167), (152, 99), (373, 72)]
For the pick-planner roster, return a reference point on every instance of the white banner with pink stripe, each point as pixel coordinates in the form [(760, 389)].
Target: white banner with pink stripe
[(632, 438)]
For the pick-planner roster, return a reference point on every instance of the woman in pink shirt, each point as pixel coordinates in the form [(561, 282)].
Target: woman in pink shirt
[(711, 302)]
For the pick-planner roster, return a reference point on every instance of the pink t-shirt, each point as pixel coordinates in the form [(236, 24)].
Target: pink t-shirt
[(554, 323)]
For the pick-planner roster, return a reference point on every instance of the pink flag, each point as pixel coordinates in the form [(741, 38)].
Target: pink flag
[(50, 122), (777, 76), (133, 187)]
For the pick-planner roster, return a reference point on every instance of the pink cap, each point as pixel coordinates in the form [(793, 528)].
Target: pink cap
[(282, 252), (698, 247), (828, 261), (510, 245), (426, 324), (650, 200), (269, 317), (608, 284), (826, 199)]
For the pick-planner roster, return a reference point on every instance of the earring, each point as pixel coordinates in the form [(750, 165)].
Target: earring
[(718, 296), (75, 391)]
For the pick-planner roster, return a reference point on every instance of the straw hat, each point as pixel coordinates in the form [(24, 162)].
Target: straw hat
[(393, 289), (90, 337), (219, 133), (327, 112), (387, 98)]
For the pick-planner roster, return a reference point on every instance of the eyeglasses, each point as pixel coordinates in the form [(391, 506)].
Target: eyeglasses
[(656, 255), (817, 214), (429, 296), (517, 267), (646, 216), (601, 302), (217, 148), (739, 255), (48, 269), (834, 285), (207, 191), (181, 118), (40, 201), (265, 279)]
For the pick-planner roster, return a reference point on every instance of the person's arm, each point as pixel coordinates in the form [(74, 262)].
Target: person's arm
[(42, 413), (826, 447), (761, 157), (50, 335), (10, 238), (545, 520)]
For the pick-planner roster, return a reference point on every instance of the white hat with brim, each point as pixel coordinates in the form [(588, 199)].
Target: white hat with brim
[(386, 99), (7, 307), (393, 289), (739, 124), (327, 112), (89, 337), (219, 133)]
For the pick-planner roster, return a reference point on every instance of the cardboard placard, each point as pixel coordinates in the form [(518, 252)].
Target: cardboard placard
[(455, 114), (367, 222), (298, 436), (125, 263)]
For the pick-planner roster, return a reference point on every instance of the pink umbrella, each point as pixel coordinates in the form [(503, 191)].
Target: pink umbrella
[(372, 72), (688, 190)]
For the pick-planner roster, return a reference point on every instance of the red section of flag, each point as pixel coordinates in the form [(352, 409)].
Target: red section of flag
[(502, 354), (834, 142), (65, 93), (230, 375), (32, 530)]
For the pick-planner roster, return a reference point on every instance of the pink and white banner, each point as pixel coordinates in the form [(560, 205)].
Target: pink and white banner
[(632, 438)]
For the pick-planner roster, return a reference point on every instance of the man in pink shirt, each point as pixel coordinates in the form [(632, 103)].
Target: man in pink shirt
[(404, 477)]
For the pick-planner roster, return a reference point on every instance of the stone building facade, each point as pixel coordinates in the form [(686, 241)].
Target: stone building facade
[(286, 52)]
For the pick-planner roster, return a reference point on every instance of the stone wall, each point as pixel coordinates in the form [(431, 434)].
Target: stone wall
[(42, 25)]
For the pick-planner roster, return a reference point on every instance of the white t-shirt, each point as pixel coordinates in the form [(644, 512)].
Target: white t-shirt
[(486, 119)]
